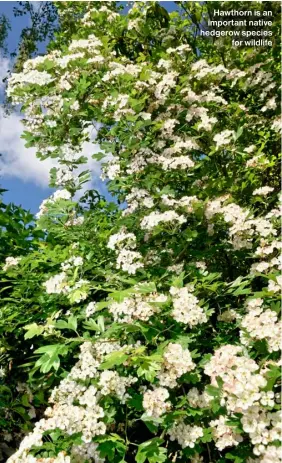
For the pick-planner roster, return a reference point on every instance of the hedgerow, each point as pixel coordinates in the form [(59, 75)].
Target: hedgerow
[(148, 332)]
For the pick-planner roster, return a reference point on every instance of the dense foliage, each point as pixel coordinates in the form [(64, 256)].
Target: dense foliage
[(151, 331)]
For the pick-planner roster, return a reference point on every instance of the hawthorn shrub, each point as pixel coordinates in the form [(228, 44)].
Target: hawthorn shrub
[(150, 333)]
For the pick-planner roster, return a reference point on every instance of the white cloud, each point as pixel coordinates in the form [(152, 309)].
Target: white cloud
[(4, 68), (37, 4), (16, 160), (20, 162), (88, 149)]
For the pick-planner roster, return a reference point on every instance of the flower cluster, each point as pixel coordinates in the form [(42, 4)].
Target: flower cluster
[(75, 408), (85, 452), (11, 262), (58, 195), (124, 244), (62, 283), (223, 138), (59, 284), (56, 284), (261, 324), (185, 307), (185, 434), (241, 382), (263, 191), (243, 226), (154, 218), (154, 402), (90, 309), (198, 400), (186, 202), (176, 362), (263, 427), (111, 383), (223, 434), (137, 307), (136, 199)]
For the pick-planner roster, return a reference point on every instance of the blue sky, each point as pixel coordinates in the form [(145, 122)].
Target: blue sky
[(22, 182), (21, 173)]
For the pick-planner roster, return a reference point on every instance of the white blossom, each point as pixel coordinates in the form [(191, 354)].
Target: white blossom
[(117, 240), (56, 284), (185, 307), (263, 191), (270, 104), (154, 402), (223, 138), (90, 309), (11, 262), (129, 261), (58, 195), (276, 285), (224, 435), (241, 381), (176, 362), (185, 434), (111, 382), (154, 218), (198, 400)]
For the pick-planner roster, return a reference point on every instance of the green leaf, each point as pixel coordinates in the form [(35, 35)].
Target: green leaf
[(207, 437), (111, 446), (33, 330), (212, 390), (235, 458), (151, 422), (72, 323), (136, 401), (50, 358), (111, 360), (272, 375), (148, 366), (145, 288), (46, 363), (184, 340), (98, 156), (101, 323), (62, 325), (177, 282), (151, 451), (51, 349), (239, 133), (91, 325)]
